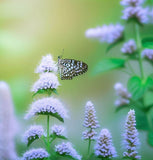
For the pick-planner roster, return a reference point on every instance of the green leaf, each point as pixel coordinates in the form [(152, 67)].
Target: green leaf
[(148, 100), (54, 136), (56, 115), (150, 138), (147, 42), (32, 139), (108, 64), (112, 45), (134, 20), (141, 119), (121, 107), (149, 82), (55, 91), (137, 87), (66, 156), (45, 91)]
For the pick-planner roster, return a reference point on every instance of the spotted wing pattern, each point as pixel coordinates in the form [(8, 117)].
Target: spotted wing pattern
[(70, 68)]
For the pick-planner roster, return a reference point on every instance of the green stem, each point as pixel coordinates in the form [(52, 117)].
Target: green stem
[(89, 146), (139, 47), (48, 143)]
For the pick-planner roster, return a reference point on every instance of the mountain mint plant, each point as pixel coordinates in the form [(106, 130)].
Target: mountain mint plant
[(90, 123), (135, 50), (48, 107)]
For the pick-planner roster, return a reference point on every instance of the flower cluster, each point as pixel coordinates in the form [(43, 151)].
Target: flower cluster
[(148, 53), (104, 147), (90, 121), (35, 154), (91, 134), (47, 64), (129, 47), (47, 106), (35, 131), (131, 2), (108, 34), (58, 130), (46, 81), (133, 9), (123, 94), (67, 149), (131, 136)]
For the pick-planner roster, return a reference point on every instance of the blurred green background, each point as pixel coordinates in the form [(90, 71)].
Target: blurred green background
[(31, 29)]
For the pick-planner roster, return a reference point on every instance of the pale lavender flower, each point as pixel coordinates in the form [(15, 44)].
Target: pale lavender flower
[(67, 149), (35, 131), (46, 81), (47, 64), (47, 106), (58, 130), (129, 47), (106, 33), (90, 121), (141, 14), (121, 102), (91, 134), (121, 90), (148, 53), (104, 147), (8, 124), (131, 2), (123, 94), (32, 154), (131, 140), (90, 116)]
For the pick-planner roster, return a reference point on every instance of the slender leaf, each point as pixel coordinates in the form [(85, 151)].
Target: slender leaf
[(45, 91), (66, 156), (149, 82), (137, 87), (112, 45), (108, 64), (147, 42), (141, 119), (121, 107), (32, 139), (54, 136), (134, 20), (56, 115)]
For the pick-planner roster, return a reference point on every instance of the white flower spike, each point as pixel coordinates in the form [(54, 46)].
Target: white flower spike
[(106, 33), (67, 149), (32, 154), (35, 131), (47, 65), (47, 106), (104, 147), (131, 140), (46, 81)]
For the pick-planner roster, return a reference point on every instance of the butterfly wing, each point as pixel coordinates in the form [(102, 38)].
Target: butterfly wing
[(70, 68)]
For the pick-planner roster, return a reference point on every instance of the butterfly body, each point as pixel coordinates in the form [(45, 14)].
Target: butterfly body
[(70, 68)]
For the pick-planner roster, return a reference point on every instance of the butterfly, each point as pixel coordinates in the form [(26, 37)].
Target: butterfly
[(69, 68)]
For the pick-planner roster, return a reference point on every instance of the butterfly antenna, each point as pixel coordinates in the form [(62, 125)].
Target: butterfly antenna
[(62, 52), (59, 57)]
